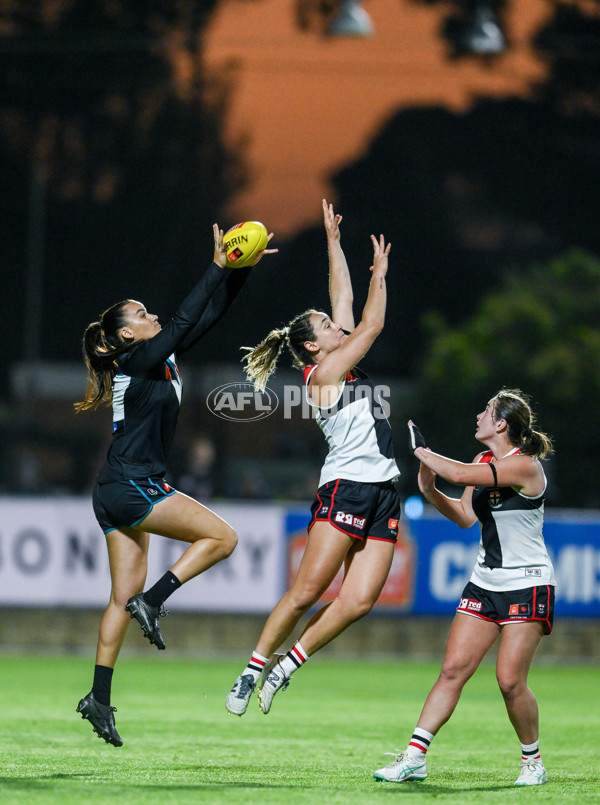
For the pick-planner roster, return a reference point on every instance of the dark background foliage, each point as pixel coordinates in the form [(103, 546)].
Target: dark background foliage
[(122, 172)]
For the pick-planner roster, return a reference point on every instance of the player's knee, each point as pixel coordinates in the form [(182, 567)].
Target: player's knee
[(358, 607), (455, 672), (127, 582), (364, 607), (302, 597), (228, 541), (119, 597), (509, 683)]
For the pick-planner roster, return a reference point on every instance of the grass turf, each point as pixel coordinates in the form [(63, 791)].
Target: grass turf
[(320, 744)]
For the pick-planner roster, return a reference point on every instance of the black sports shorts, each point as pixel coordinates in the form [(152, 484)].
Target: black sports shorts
[(123, 504), (361, 510), (512, 606)]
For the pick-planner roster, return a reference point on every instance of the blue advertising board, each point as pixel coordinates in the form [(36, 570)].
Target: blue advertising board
[(435, 559)]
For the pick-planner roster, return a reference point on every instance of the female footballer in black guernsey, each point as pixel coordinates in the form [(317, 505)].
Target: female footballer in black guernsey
[(355, 515), (131, 363), (510, 594)]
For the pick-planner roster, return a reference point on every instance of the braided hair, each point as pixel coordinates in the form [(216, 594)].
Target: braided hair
[(102, 344), (261, 360), (514, 406)]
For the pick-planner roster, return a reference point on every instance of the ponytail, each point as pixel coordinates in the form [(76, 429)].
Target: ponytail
[(101, 345), (261, 360), (535, 443), (513, 406)]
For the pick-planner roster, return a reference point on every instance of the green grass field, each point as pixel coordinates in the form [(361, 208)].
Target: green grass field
[(320, 744)]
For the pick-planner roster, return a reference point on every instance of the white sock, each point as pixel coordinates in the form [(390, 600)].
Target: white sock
[(255, 666), (294, 659), (531, 751), (419, 743)]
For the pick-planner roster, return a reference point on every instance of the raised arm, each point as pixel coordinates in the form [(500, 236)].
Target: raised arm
[(522, 472), (332, 369), (212, 295), (459, 510), (153, 352), (220, 302), (340, 284), (222, 298)]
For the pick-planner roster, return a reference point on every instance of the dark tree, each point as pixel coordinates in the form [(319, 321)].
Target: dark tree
[(111, 143)]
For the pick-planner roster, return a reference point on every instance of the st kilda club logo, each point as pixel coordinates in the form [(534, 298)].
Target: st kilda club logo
[(495, 499)]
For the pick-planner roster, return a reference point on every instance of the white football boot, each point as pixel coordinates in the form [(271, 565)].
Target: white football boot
[(532, 773), (272, 680), (403, 768), (239, 696)]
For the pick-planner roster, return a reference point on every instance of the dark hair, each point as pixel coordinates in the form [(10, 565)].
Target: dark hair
[(514, 406), (261, 360), (101, 344)]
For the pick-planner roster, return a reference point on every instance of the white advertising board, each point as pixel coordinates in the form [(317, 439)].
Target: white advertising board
[(53, 553)]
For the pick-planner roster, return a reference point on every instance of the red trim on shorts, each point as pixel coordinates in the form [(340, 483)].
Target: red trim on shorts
[(381, 539), (545, 620), (332, 507), (347, 533), (335, 488), (328, 518), (528, 620), (314, 519), (476, 615)]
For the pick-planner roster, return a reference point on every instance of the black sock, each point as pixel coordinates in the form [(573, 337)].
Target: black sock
[(163, 588), (102, 682)]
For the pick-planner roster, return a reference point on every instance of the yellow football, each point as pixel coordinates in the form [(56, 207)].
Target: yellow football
[(243, 242)]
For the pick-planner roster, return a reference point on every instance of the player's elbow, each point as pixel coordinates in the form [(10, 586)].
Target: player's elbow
[(374, 326), (457, 474), (465, 518)]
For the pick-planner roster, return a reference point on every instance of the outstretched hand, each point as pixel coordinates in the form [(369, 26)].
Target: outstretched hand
[(220, 253), (416, 438), (332, 221), (380, 255), (260, 254)]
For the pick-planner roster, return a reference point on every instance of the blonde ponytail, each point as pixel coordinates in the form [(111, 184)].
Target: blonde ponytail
[(261, 360)]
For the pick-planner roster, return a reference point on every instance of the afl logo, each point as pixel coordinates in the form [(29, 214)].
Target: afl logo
[(238, 402), (495, 499)]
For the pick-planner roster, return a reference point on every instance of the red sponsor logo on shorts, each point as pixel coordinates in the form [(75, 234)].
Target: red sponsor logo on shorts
[(470, 603), (350, 519), (393, 524), (518, 610), (166, 487)]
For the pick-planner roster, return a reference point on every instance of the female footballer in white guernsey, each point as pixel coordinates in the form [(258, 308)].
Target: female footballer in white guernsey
[(355, 515), (131, 364), (510, 594)]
